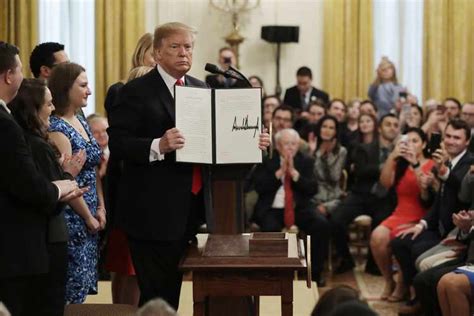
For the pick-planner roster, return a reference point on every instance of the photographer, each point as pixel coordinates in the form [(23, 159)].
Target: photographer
[(226, 58)]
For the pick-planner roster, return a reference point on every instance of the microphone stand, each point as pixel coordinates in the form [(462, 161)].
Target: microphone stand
[(242, 77)]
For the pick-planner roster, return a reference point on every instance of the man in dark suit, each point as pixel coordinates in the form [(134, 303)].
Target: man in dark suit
[(303, 93), (159, 199), (452, 163), (367, 195), (26, 200), (271, 210)]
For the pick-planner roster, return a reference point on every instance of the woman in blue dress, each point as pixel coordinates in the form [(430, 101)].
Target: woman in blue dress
[(70, 133)]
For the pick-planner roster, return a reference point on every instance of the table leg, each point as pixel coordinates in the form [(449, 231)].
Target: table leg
[(257, 305), (287, 297)]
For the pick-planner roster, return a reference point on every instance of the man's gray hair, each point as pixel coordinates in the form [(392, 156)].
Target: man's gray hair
[(286, 131), (157, 307)]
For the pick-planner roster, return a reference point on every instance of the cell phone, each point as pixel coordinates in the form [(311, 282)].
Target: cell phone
[(434, 143), (402, 94), (404, 139)]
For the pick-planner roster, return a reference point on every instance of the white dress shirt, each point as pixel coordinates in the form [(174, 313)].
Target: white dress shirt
[(170, 81)]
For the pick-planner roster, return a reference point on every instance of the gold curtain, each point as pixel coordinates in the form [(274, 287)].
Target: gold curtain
[(19, 26), (448, 69), (119, 25), (348, 48)]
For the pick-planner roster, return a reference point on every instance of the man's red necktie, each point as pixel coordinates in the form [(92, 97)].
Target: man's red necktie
[(197, 177), (289, 215)]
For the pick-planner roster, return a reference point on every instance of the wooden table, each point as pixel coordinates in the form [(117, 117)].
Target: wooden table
[(221, 266)]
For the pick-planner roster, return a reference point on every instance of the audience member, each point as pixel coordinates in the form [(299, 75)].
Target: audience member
[(31, 109), (257, 82), (142, 56), (385, 90), (70, 133), (413, 117), (452, 162), (28, 198), (285, 185), (331, 299), (467, 114), (353, 113), (98, 125), (316, 110), (118, 259), (403, 170), (226, 59), (330, 159), (453, 107), (3, 310), (299, 96), (338, 109), (436, 121), (143, 135), (156, 307), (367, 132), (45, 57), (426, 282), (367, 195), (368, 107), (270, 103)]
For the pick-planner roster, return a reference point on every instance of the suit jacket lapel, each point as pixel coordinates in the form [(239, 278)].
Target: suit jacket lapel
[(163, 93)]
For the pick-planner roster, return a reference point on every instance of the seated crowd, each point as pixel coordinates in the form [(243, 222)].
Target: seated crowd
[(409, 167)]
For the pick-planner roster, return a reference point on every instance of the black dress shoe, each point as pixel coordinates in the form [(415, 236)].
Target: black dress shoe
[(344, 266)]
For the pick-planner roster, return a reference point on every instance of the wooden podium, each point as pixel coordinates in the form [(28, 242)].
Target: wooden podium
[(223, 267)]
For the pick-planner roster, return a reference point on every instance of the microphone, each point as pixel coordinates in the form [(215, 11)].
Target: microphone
[(226, 73)]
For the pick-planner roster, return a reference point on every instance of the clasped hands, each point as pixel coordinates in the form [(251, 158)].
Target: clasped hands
[(287, 167), (173, 139)]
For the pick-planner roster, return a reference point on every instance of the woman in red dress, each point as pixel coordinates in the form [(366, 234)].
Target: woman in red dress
[(402, 170)]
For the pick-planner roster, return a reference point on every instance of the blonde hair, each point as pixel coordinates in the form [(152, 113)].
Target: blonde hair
[(143, 45), (384, 63), (138, 72), (165, 30)]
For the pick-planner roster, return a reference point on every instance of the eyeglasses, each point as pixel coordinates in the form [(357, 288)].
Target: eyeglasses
[(284, 119)]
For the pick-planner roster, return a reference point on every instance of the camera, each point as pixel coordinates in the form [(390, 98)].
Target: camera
[(228, 60)]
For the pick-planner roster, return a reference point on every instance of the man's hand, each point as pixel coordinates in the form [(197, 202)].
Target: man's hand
[(171, 140), (463, 221), (65, 186), (415, 230), (440, 157), (74, 194), (264, 140)]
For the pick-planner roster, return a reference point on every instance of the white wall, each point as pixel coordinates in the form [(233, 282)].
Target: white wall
[(257, 57)]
